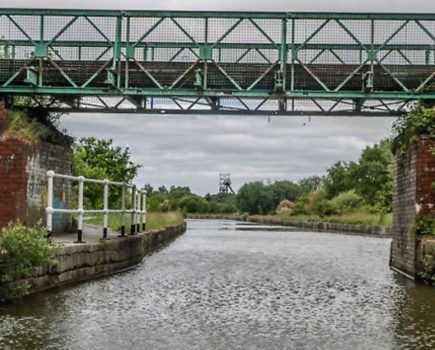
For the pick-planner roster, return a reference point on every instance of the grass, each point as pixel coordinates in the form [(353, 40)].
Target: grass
[(357, 218), (19, 126), (154, 220)]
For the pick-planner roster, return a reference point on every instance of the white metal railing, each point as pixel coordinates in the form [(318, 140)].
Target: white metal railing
[(137, 210)]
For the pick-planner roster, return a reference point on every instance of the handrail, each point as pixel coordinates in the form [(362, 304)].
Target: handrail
[(217, 14), (137, 211)]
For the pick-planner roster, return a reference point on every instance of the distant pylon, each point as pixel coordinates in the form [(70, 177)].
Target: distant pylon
[(225, 183)]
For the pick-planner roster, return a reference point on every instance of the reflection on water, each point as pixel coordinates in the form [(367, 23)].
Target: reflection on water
[(227, 285)]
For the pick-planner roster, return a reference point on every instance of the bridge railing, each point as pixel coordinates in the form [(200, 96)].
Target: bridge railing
[(137, 204), (218, 62)]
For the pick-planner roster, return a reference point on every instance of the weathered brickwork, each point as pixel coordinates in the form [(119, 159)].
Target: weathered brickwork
[(412, 197), (23, 189), (425, 195)]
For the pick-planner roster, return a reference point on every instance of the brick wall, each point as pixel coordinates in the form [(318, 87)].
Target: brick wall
[(412, 196), (23, 182), (13, 181), (425, 196)]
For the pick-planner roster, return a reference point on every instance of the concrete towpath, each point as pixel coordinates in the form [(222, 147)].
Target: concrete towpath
[(91, 234)]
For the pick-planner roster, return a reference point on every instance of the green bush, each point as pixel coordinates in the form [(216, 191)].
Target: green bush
[(425, 226), (24, 249), (300, 207), (194, 204), (314, 203), (324, 207), (347, 202)]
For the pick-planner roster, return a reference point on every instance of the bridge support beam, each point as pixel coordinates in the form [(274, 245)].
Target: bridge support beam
[(413, 200), (23, 183)]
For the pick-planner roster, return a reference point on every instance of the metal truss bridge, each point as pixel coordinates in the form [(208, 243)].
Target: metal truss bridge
[(277, 63)]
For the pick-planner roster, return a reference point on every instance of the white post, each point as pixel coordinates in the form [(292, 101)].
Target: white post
[(138, 216), (133, 209), (123, 211), (144, 211), (80, 210), (49, 209), (105, 208)]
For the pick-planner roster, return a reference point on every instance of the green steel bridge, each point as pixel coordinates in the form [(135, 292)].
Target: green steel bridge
[(273, 63)]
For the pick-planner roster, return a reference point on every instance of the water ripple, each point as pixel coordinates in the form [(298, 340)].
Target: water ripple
[(226, 285)]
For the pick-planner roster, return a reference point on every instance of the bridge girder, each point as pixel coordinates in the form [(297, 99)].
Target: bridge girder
[(276, 63)]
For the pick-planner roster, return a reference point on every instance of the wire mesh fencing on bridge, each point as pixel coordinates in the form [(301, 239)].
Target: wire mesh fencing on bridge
[(136, 206), (218, 62)]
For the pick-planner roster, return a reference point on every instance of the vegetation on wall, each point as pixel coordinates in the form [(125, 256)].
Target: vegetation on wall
[(24, 249), (19, 125), (409, 127), (425, 226)]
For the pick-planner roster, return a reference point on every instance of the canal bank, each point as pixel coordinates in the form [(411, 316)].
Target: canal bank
[(374, 230), (74, 263)]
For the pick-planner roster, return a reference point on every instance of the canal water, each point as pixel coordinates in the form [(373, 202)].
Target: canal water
[(228, 285)]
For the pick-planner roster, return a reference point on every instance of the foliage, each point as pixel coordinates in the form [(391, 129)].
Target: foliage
[(194, 204), (100, 159), (19, 125), (222, 203), (425, 226), (409, 127), (258, 198), (254, 198), (338, 178), (314, 203), (428, 269), (24, 249), (157, 221), (347, 202), (284, 190), (355, 218), (301, 206), (373, 176), (324, 208), (318, 204), (311, 184)]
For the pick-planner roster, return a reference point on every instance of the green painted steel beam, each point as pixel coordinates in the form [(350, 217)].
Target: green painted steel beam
[(138, 63), (218, 14), (178, 45), (92, 91), (171, 111)]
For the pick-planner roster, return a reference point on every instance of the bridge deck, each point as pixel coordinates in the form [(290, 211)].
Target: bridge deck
[(244, 74), (251, 62)]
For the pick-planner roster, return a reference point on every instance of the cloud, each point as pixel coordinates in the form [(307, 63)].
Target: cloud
[(192, 150), (252, 5)]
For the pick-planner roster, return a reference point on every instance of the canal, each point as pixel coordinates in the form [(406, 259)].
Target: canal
[(228, 285)]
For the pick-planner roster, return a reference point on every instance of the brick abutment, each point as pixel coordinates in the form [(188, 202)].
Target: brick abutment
[(413, 199)]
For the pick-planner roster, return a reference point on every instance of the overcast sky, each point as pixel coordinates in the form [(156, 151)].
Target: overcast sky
[(242, 5), (192, 150)]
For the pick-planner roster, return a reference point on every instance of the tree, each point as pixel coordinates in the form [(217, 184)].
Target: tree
[(374, 175), (100, 159), (338, 178), (254, 198), (310, 184), (284, 190), (194, 204), (221, 202)]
